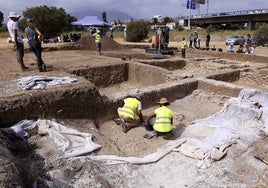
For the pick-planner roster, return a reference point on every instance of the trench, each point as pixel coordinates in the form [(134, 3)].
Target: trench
[(100, 90)]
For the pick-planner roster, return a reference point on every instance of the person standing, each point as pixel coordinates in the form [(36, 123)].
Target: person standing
[(13, 29), (183, 47), (112, 33), (34, 40), (98, 40), (195, 36), (207, 40), (162, 119), (191, 39), (248, 44), (198, 42), (131, 113)]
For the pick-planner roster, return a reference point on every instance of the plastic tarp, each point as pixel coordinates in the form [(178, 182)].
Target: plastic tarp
[(154, 157), (21, 128), (93, 21), (241, 118), (40, 82), (71, 142)]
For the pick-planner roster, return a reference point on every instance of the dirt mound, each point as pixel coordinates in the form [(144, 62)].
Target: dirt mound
[(88, 43)]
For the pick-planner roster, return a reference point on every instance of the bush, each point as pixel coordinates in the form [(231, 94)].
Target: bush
[(261, 35), (210, 29), (137, 31), (179, 27)]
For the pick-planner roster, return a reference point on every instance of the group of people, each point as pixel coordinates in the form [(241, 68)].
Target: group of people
[(247, 45), (194, 39), (34, 37), (161, 120)]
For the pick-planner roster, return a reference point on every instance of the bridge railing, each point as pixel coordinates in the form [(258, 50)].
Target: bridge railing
[(232, 13)]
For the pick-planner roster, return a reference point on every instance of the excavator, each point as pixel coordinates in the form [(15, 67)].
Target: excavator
[(160, 42)]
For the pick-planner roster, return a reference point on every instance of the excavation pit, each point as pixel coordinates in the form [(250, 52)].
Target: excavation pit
[(196, 90), (103, 82)]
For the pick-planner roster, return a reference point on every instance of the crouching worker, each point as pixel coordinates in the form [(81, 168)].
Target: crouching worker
[(162, 119), (131, 113)]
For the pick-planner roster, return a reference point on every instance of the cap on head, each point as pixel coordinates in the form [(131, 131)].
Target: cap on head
[(135, 95), (163, 101), (14, 15)]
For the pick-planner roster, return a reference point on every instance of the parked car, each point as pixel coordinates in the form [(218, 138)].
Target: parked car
[(259, 42), (235, 40)]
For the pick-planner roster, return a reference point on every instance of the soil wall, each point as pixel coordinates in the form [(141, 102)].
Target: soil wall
[(227, 76), (167, 64), (145, 75), (67, 102), (104, 76)]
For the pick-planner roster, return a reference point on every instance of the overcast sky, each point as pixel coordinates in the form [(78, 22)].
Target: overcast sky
[(135, 8)]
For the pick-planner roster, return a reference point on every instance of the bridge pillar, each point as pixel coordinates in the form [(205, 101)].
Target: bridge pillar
[(251, 25)]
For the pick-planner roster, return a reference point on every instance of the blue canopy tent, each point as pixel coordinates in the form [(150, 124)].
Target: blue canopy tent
[(92, 21)]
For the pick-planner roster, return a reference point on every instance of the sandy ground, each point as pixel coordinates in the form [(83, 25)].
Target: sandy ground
[(237, 169)]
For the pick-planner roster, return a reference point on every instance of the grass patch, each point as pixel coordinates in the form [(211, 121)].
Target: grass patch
[(4, 34)]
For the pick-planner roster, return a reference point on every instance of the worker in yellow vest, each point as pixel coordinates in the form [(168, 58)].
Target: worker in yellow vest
[(162, 119), (131, 113), (98, 39), (183, 47)]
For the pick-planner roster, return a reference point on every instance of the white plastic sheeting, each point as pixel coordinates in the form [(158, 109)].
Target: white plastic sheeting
[(71, 142), (40, 82), (21, 128), (154, 157), (241, 118)]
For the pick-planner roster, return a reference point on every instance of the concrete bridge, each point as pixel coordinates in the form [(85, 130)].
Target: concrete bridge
[(250, 16)]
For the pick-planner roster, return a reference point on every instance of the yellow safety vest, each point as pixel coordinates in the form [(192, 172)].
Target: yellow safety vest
[(153, 40), (163, 119), (97, 38), (129, 109), (183, 44)]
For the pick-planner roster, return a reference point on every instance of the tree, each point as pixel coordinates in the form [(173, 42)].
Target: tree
[(50, 20), (1, 18), (167, 20), (137, 31), (155, 21)]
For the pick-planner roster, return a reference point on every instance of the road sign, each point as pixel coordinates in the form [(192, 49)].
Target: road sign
[(191, 4)]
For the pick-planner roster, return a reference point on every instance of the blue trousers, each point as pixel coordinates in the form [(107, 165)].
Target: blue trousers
[(37, 50)]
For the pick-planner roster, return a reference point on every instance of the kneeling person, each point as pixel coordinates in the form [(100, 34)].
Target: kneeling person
[(130, 114), (162, 119)]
